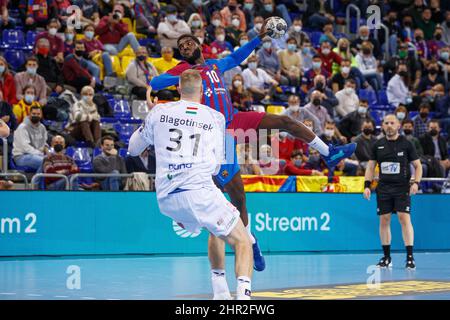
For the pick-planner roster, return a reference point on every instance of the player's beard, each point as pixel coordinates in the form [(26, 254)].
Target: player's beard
[(194, 57)]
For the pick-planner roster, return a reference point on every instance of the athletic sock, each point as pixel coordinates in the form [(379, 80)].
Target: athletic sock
[(320, 146), (387, 250), (219, 284), (409, 252), (252, 238), (244, 288)]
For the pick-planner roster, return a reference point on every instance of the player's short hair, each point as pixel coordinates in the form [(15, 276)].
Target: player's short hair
[(190, 81), (190, 36)]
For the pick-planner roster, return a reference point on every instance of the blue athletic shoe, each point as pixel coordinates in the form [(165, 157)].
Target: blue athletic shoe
[(337, 153), (259, 264)]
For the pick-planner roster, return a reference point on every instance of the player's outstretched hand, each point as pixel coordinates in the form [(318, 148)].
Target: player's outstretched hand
[(263, 30), (367, 193), (151, 103)]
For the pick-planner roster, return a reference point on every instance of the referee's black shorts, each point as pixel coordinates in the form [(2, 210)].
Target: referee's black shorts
[(391, 199)]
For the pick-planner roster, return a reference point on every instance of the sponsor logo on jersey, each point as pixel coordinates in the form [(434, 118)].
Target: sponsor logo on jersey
[(400, 154), (225, 173), (179, 166), (208, 92), (180, 231)]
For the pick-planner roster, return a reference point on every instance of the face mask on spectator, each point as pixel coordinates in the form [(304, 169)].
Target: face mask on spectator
[(402, 54), (58, 147), (236, 22), (141, 58), (252, 65), (248, 6), (343, 49), (283, 135), (367, 131), (294, 107), (403, 73), (196, 23), (349, 90), (197, 3), (2, 69), (258, 26), (314, 159), (267, 45), (35, 119), (424, 114), (298, 162), (291, 47), (316, 102), (29, 98), (220, 37), (243, 42), (306, 50), (89, 34), (317, 65), (326, 51), (79, 53), (52, 31), (364, 38), (31, 71), (362, 110), (366, 51), (445, 55), (407, 131), (172, 17), (434, 132), (87, 99), (216, 22), (268, 7), (345, 70), (69, 36), (329, 132), (401, 115), (432, 71), (297, 28), (237, 83)]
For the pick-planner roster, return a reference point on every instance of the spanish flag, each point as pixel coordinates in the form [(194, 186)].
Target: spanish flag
[(253, 183)]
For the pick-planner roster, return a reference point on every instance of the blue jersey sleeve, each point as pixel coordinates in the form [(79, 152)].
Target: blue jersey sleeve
[(237, 56), (163, 81)]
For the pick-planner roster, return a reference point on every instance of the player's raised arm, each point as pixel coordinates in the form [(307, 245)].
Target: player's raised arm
[(142, 137)]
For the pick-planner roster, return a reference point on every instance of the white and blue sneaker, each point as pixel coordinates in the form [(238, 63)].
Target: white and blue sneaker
[(259, 263), (337, 153)]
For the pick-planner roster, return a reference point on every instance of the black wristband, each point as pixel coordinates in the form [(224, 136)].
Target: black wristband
[(367, 184)]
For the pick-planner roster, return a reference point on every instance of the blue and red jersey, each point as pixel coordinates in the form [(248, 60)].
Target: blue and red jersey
[(215, 92)]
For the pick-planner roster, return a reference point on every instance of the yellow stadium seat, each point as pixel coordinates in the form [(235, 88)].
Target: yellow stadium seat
[(97, 59), (128, 51), (117, 66), (275, 109), (129, 23), (79, 36), (125, 62)]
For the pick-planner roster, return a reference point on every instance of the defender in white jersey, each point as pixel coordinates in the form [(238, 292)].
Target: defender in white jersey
[(189, 146)]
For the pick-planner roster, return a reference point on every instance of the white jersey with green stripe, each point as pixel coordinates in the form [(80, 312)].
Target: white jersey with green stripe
[(189, 145)]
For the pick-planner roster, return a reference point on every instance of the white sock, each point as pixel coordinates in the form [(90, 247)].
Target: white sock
[(320, 146), (252, 238), (244, 288), (219, 285)]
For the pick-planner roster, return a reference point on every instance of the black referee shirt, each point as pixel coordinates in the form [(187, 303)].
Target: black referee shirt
[(393, 158)]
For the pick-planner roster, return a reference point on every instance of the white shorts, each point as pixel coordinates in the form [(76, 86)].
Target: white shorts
[(202, 208)]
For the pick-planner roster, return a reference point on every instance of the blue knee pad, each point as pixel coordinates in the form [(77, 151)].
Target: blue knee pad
[(231, 167)]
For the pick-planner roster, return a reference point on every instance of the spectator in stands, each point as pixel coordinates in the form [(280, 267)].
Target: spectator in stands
[(328, 35), (207, 50), (426, 24), (443, 112), (364, 36), (257, 24), (328, 56), (318, 13), (427, 82), (147, 15), (247, 8), (316, 108), (329, 100), (28, 100), (295, 31), (446, 28), (171, 28), (84, 119), (30, 77), (48, 67), (247, 162), (444, 58), (365, 141), (268, 10), (306, 54), (330, 134), (240, 97), (6, 22), (348, 100), (139, 73), (75, 69), (256, 80), (109, 162), (434, 144), (58, 162), (9, 118), (398, 87), (233, 12), (105, 7), (408, 132), (233, 32), (7, 84), (298, 113), (401, 113), (145, 162), (199, 8), (414, 67), (114, 33), (268, 164), (36, 13), (343, 50), (195, 22), (421, 45), (69, 41), (220, 46), (421, 120), (350, 125), (56, 43), (89, 10), (368, 66), (317, 69), (297, 166), (96, 51), (243, 39), (30, 141), (290, 63), (283, 145), (345, 73)]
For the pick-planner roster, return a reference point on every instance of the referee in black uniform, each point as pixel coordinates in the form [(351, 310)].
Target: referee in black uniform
[(393, 154)]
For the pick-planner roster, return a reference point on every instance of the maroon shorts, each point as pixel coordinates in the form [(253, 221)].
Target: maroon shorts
[(246, 120)]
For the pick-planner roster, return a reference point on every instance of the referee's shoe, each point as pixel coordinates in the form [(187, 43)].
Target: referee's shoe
[(410, 263), (385, 262), (337, 153)]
